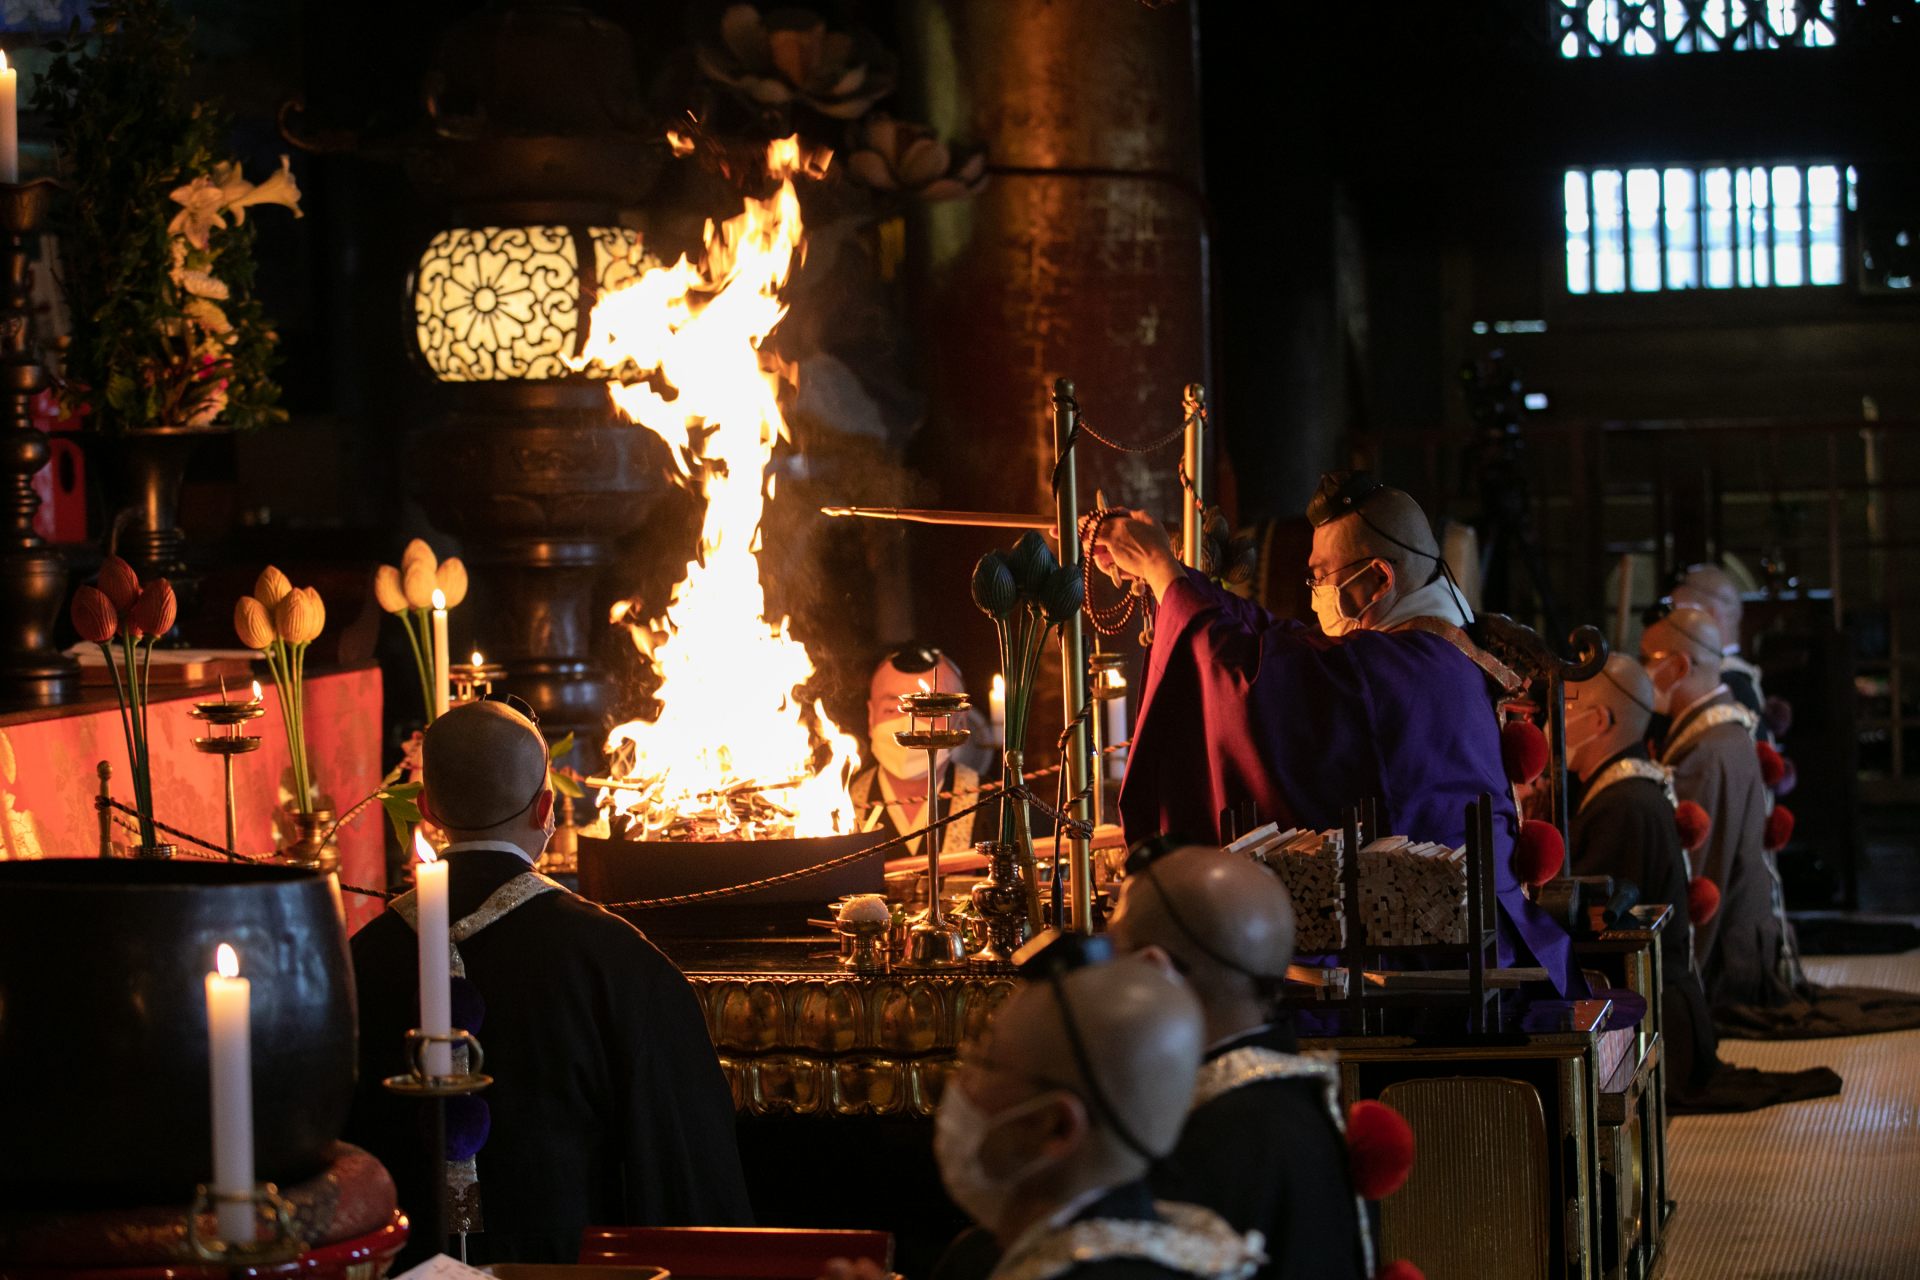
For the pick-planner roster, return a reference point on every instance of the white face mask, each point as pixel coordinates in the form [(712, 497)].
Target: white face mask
[(1576, 745), (1334, 619), (905, 763), (960, 1128)]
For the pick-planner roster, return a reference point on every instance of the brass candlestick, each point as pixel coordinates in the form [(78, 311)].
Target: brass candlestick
[(472, 681), (935, 942), (227, 717), (241, 1256), (1106, 680)]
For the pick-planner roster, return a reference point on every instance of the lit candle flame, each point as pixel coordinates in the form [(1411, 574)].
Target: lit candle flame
[(439, 600), (478, 661), (256, 691), (421, 849), (999, 686), (226, 961), (4, 64), (924, 687)]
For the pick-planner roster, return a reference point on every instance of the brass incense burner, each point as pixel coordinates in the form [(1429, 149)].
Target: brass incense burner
[(227, 741), (936, 942)]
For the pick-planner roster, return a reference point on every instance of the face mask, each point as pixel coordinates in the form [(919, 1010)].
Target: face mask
[(1334, 619), (1575, 746), (960, 1128), (1662, 695), (905, 763)]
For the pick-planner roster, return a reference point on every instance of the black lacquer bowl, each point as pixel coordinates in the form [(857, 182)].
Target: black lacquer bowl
[(104, 1093)]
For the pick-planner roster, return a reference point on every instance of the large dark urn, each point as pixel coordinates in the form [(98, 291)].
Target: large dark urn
[(103, 1024)]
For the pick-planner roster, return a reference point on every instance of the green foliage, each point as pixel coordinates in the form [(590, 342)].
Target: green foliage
[(129, 134), (402, 803)]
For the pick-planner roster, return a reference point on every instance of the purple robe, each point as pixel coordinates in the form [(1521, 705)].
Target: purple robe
[(1241, 708)]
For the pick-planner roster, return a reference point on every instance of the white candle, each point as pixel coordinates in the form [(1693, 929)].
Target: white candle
[(436, 990), (442, 676), (9, 122), (997, 708), (230, 1053), (1116, 711)]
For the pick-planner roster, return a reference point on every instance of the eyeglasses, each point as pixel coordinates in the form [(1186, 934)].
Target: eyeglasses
[(1327, 579)]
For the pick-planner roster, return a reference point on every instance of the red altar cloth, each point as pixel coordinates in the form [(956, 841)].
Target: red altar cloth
[(48, 780)]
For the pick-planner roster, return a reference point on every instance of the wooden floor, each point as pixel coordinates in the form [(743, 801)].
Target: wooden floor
[(1826, 1190)]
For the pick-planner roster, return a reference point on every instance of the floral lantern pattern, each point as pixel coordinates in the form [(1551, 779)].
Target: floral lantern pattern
[(497, 304)]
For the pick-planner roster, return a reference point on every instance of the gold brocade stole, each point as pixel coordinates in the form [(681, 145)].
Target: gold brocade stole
[(1698, 726), (1623, 770), (463, 1176), (1188, 1239), (1255, 1064), (1509, 681)]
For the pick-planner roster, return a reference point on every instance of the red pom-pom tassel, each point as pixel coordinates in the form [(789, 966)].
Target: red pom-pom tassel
[(1693, 823), (1703, 899), (1779, 828), (1773, 767), (1538, 852), (1523, 751), (1400, 1269), (1379, 1149)]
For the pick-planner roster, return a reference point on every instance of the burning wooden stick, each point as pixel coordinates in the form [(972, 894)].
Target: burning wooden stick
[(928, 515)]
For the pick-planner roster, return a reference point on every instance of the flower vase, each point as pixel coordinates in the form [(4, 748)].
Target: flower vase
[(1001, 901), (1016, 830), (309, 840)]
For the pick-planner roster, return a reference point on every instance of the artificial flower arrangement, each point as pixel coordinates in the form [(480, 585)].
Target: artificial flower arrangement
[(1027, 593), (282, 621), (118, 607), (157, 250), (408, 593)]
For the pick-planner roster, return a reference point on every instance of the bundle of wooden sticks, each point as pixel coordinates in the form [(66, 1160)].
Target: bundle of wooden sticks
[(1411, 893)]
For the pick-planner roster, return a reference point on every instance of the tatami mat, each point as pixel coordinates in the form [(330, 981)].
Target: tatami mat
[(1826, 1190)]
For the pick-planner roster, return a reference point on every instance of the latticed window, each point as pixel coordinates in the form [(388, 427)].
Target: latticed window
[(1599, 28), (1733, 227)]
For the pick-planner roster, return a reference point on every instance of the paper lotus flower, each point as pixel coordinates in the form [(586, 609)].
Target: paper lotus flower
[(300, 616), (419, 581), (253, 623), (897, 156), (94, 616), (271, 587), (1062, 595), (418, 550), (774, 60), (1032, 560), (387, 590), (451, 578), (118, 582), (154, 612), (994, 590)]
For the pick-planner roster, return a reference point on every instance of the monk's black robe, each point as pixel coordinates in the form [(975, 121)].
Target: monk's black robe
[(1626, 830), (608, 1104), (1269, 1157)]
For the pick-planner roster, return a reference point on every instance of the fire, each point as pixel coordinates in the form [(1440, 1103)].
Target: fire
[(735, 750), (226, 961), (422, 850)]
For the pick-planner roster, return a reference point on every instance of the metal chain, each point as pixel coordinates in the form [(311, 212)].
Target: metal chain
[(1020, 792), (216, 852), (1152, 446)]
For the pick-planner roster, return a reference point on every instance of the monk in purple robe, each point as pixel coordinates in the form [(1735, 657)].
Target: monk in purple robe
[(1388, 700)]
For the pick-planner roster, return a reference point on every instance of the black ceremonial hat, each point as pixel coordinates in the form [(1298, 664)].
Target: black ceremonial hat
[(1341, 493)]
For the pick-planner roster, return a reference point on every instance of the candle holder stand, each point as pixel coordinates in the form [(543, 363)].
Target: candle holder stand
[(1106, 680), (935, 942), (240, 1256), (434, 1090), (228, 717), (472, 681), (33, 576)]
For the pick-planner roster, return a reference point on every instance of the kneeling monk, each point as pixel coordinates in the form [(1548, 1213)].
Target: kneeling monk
[(1389, 700)]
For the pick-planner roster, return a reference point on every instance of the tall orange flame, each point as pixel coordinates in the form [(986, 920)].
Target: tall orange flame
[(684, 341)]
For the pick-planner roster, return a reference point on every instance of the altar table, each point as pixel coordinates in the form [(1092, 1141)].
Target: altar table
[(48, 777)]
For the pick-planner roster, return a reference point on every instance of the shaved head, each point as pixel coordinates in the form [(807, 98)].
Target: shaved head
[(1199, 900), (484, 765), (1143, 1035), (1709, 587), (1390, 517), (1688, 629), (1619, 704)]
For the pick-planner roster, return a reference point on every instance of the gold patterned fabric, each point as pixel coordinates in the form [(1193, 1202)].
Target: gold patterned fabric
[(1624, 770), (1188, 1239), (1700, 725)]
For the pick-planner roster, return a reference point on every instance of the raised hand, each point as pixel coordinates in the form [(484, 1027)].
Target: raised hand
[(1135, 547)]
